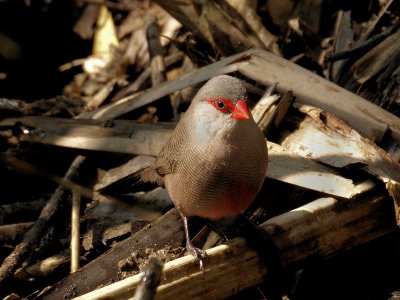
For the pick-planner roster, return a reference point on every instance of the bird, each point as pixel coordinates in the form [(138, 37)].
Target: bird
[(215, 162)]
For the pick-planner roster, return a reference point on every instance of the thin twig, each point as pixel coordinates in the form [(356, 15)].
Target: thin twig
[(133, 87), (157, 64), (75, 229), (372, 24), (47, 214), (360, 48), (150, 280)]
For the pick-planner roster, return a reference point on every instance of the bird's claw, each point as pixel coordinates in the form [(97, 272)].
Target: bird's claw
[(198, 254)]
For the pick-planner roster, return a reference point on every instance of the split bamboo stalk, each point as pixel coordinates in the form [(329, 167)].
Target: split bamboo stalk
[(317, 230)]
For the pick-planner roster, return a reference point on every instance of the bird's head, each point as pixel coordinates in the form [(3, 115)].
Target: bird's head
[(226, 95)]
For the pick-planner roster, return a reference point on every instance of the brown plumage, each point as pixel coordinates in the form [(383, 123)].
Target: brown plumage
[(215, 161)]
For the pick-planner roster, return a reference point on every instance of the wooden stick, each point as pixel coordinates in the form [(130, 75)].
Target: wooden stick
[(308, 88), (150, 280), (166, 231), (157, 64), (13, 260), (43, 268), (134, 87), (377, 58), (75, 229), (27, 168), (147, 139), (10, 233), (316, 230), (374, 20)]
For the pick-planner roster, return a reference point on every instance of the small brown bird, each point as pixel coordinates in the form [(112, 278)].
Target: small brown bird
[(215, 162)]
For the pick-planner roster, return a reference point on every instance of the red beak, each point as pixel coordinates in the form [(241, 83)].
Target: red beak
[(241, 111)]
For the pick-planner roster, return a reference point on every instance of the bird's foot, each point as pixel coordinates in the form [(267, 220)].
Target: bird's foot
[(198, 254)]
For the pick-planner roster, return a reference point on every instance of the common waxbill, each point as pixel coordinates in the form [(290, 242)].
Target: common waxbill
[(215, 162)]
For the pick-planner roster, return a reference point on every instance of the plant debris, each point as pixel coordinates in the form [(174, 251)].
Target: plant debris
[(91, 90)]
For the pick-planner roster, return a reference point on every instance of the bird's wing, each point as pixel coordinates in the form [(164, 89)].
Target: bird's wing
[(172, 151)]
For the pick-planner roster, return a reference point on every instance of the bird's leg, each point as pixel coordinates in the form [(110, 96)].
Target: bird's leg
[(196, 252)]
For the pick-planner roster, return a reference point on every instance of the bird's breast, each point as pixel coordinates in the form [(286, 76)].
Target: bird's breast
[(220, 174)]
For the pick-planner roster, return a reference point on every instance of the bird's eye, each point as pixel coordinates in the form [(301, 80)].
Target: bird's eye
[(220, 104)]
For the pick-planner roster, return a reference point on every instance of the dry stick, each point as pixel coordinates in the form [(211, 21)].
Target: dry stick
[(26, 168), (150, 280), (43, 268), (148, 139), (133, 87), (266, 68), (314, 231), (75, 229), (47, 214), (377, 59), (157, 63), (30, 169), (11, 232), (371, 25), (361, 47), (11, 262)]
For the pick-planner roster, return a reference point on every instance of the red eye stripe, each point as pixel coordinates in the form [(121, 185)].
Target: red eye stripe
[(222, 104)]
